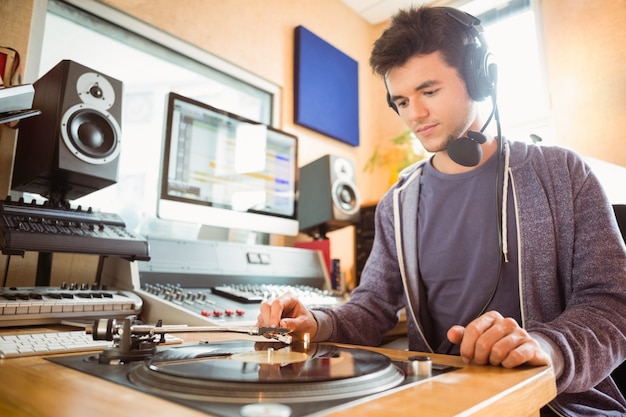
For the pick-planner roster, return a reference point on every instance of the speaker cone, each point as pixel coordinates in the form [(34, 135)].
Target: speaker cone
[(91, 134)]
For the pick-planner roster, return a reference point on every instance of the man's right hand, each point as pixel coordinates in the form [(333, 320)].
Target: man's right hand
[(288, 312)]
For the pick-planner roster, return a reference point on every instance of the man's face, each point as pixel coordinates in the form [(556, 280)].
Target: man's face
[(432, 100)]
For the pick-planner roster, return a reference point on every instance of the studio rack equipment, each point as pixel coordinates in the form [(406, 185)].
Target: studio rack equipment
[(39, 227)]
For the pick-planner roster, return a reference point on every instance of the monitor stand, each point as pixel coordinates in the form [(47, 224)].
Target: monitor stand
[(233, 235), (44, 269)]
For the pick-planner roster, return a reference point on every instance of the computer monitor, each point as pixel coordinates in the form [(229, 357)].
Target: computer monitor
[(223, 170)]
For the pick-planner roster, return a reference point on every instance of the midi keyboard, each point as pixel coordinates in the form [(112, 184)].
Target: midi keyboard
[(45, 305)]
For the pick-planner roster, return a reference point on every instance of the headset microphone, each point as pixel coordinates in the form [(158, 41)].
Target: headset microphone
[(466, 151)]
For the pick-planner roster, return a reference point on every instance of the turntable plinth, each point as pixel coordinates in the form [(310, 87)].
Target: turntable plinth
[(35, 386)]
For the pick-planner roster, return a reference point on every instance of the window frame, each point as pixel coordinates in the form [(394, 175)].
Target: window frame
[(176, 45)]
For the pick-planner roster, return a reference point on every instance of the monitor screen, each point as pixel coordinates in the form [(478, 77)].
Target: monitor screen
[(220, 169)]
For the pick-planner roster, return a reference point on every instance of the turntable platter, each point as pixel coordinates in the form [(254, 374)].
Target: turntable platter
[(242, 371)]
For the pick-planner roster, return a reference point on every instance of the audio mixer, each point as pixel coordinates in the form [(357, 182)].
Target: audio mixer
[(226, 305), (218, 283)]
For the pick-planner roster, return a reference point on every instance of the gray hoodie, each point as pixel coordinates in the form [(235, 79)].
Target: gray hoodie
[(572, 275)]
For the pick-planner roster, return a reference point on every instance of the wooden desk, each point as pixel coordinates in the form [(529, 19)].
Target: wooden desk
[(32, 386)]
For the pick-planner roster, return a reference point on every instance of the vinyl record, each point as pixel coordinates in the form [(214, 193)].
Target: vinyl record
[(242, 371)]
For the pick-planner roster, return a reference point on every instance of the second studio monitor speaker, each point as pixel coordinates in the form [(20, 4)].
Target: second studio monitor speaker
[(73, 147), (328, 196)]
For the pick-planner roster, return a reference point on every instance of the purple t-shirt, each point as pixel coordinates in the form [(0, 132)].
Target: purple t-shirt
[(459, 249)]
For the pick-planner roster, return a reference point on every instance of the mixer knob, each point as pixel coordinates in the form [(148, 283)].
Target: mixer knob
[(217, 313), (240, 312), (229, 313), (205, 313)]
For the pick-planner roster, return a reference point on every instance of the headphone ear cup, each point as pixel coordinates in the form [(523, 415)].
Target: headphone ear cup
[(391, 103), (474, 73)]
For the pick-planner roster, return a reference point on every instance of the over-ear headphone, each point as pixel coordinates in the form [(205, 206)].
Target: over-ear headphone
[(479, 72), (480, 76)]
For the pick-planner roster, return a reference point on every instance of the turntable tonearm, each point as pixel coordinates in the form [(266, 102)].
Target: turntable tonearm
[(139, 341)]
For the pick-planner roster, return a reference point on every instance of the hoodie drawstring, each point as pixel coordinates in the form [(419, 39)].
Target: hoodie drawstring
[(505, 188)]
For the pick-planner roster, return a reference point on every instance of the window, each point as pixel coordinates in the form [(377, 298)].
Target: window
[(150, 64), (511, 30)]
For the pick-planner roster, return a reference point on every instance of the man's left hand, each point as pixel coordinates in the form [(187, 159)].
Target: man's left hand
[(495, 340)]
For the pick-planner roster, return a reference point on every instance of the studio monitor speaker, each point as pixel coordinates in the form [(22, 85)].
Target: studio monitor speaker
[(73, 147), (328, 196)]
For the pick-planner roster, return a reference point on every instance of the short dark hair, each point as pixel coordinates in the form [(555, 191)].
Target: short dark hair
[(421, 31)]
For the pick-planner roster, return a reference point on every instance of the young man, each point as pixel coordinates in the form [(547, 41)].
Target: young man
[(503, 252)]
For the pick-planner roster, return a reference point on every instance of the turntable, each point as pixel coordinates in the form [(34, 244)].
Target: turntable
[(252, 378)]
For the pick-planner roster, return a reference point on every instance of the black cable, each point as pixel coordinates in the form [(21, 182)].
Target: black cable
[(499, 198)]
